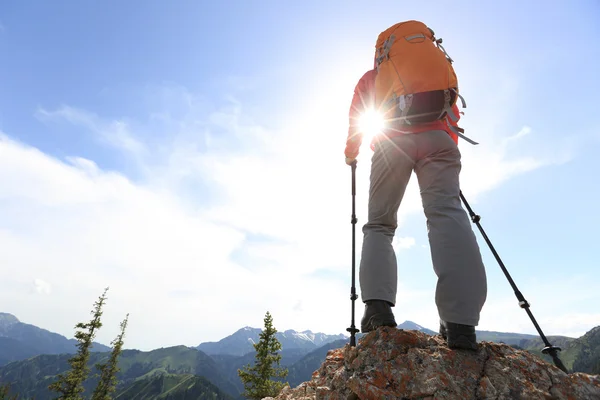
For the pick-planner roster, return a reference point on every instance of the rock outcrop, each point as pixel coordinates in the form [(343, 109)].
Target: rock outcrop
[(394, 364)]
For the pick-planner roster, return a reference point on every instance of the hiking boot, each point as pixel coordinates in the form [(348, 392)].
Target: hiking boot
[(377, 313), (458, 336)]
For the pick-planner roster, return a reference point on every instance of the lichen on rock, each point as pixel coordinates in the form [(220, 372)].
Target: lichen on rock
[(390, 363)]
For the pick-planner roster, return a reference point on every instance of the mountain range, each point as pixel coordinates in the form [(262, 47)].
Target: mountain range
[(34, 356), (241, 342), (19, 341)]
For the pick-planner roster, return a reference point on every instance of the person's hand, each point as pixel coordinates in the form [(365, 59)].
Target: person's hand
[(350, 160)]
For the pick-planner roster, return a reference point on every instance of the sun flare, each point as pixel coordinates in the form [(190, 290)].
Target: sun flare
[(371, 123)]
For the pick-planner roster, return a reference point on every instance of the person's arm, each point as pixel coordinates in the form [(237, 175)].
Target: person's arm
[(361, 100)]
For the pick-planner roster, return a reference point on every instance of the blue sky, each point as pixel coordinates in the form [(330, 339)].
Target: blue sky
[(190, 156)]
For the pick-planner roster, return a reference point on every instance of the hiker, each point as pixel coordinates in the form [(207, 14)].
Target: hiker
[(415, 138)]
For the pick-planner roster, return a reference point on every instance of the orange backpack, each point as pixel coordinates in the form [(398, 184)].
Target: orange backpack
[(415, 81)]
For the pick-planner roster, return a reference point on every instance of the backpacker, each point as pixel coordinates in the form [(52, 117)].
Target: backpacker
[(415, 81)]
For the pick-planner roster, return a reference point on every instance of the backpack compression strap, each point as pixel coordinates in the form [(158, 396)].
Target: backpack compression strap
[(458, 132), (451, 115)]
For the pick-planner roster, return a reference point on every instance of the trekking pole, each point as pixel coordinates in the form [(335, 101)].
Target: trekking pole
[(549, 349), (353, 295)]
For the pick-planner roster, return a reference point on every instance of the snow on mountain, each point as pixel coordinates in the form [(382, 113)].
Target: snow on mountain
[(241, 342), (308, 336)]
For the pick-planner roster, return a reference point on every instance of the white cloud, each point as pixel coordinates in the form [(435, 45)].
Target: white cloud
[(41, 286), (523, 132), (85, 231), (298, 306), (404, 242), (115, 133), (184, 269)]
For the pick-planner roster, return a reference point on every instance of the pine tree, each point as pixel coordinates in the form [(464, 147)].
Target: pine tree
[(5, 392), (257, 379), (70, 386), (108, 371)]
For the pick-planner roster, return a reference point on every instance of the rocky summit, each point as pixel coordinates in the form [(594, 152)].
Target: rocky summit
[(390, 363)]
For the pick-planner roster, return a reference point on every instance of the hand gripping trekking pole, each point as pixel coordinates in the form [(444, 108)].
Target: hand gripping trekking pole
[(353, 295), (549, 349)]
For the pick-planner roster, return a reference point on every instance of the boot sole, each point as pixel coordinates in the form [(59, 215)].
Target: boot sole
[(462, 342)]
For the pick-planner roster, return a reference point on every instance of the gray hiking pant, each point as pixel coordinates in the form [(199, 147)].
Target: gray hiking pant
[(462, 284)]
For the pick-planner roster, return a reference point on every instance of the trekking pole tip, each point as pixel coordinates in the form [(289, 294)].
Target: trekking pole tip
[(353, 331), (552, 351)]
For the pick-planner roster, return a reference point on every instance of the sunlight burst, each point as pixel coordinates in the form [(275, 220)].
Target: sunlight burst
[(371, 123)]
